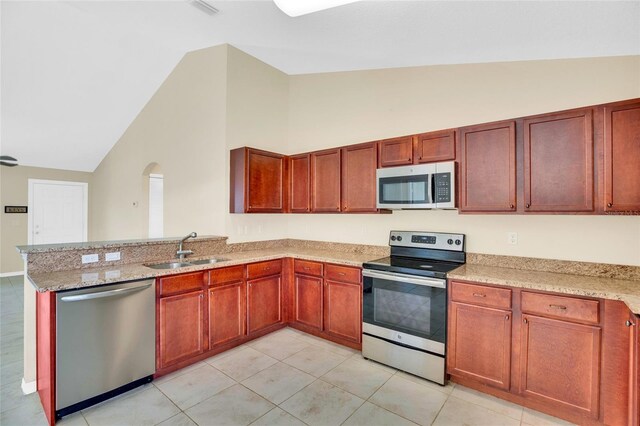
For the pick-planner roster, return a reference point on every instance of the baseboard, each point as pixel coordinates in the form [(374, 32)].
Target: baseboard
[(11, 274), (28, 388)]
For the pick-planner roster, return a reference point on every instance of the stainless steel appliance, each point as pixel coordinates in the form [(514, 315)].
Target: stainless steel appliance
[(404, 305), (423, 186), (105, 342)]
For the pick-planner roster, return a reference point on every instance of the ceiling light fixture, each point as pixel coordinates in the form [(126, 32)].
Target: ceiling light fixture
[(295, 8)]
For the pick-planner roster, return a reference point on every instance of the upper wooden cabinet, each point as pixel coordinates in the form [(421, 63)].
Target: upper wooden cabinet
[(622, 157), (300, 183), (325, 181), (558, 162), (258, 181), (488, 167), (359, 178), (395, 152), (435, 146)]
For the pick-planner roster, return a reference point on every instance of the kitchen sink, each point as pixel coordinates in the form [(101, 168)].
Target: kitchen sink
[(168, 265), (207, 261)]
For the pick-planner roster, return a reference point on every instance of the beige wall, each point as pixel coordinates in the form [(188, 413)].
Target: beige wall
[(343, 108), (14, 191), (182, 129)]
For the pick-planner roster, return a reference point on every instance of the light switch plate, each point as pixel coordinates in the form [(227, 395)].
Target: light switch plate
[(90, 258), (110, 257)]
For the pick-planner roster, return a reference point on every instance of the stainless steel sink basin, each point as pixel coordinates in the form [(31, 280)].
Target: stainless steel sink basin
[(168, 265), (207, 261)]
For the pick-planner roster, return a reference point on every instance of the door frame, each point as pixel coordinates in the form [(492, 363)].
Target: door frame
[(85, 207)]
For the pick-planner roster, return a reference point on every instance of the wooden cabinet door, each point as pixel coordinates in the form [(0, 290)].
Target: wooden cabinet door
[(300, 184), (264, 303), (435, 146), (308, 301), (181, 327), (325, 181), (395, 152), (558, 162), (634, 370), (226, 313), (343, 310), (359, 178), (622, 157), (488, 168), (560, 364), (480, 344), (265, 181)]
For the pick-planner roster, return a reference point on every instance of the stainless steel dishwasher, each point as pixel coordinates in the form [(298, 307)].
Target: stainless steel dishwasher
[(105, 342)]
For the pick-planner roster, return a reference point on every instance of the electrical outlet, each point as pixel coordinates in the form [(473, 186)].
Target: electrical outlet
[(90, 258), (512, 237), (110, 257)]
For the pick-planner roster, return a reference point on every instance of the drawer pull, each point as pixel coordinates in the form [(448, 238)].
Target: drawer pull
[(564, 308), (306, 268), (341, 274), (629, 323), (266, 268), (479, 295)]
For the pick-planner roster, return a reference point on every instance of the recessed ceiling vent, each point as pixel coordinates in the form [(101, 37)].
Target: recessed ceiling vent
[(205, 6)]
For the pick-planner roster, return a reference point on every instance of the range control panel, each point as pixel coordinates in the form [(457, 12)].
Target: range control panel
[(431, 240)]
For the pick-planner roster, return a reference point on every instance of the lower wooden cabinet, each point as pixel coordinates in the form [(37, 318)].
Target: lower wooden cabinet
[(308, 301), (227, 313), (480, 344), (560, 364), (342, 310), (634, 369), (181, 321), (264, 303)]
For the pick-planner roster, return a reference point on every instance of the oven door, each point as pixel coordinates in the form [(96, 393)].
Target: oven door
[(405, 309)]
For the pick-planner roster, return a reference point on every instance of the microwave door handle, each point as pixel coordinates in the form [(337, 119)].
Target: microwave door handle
[(433, 189)]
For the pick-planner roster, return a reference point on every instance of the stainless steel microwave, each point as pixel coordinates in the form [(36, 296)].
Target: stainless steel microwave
[(423, 186)]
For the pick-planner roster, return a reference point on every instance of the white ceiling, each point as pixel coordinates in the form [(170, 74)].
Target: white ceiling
[(75, 74)]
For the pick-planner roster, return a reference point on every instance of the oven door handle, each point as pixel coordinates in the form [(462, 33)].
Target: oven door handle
[(411, 279)]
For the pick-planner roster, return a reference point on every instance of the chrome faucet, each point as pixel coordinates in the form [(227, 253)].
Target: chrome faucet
[(182, 253)]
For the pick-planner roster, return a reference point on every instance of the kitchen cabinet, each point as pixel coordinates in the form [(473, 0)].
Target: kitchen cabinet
[(622, 157), (558, 162), (264, 295), (258, 181), (560, 364), (480, 322), (300, 180), (395, 152), (308, 300), (227, 305), (633, 323), (359, 178), (181, 322), (325, 181), (488, 168), (343, 303), (435, 146)]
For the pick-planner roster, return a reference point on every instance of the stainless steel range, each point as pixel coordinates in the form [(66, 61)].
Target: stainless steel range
[(404, 305)]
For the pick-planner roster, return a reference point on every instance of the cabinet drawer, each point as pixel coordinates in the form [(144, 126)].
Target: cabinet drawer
[(264, 269), (307, 267), (569, 308), (481, 295), (342, 273), (181, 283), (226, 275)]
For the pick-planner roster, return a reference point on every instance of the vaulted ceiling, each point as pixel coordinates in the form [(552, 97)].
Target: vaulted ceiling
[(75, 74)]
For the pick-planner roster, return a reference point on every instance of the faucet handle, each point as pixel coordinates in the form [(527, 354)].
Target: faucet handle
[(183, 252)]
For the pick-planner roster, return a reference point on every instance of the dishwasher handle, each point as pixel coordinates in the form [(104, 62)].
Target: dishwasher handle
[(100, 294)]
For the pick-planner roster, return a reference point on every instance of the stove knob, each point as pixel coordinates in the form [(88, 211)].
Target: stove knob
[(458, 242), (449, 241), (393, 238), (399, 238)]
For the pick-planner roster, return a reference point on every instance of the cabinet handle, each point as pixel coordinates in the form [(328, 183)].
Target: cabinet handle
[(506, 317), (528, 205), (564, 308), (629, 323), (479, 295), (511, 206), (341, 274), (526, 321), (325, 284), (266, 268), (609, 204), (408, 160), (201, 296)]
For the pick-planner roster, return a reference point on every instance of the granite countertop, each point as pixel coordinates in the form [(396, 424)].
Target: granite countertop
[(78, 278), (627, 291)]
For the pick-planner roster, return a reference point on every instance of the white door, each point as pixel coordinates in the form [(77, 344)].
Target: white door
[(57, 211)]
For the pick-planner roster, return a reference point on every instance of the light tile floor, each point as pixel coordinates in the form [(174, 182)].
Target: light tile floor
[(285, 378)]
